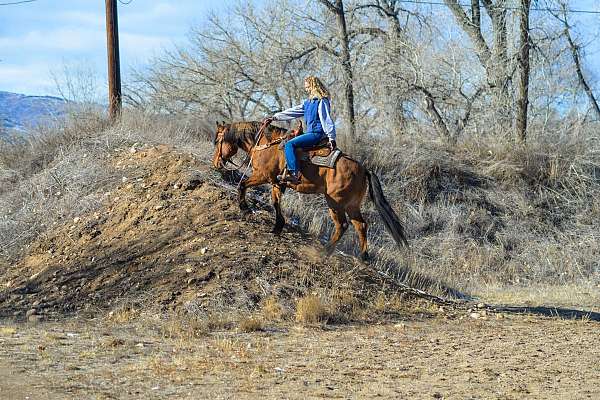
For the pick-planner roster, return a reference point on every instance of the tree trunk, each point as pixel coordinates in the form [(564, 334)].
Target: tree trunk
[(498, 67), (523, 89), (338, 9)]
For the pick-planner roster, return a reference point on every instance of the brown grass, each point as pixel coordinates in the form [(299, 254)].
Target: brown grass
[(311, 310), (251, 324), (271, 309), (483, 213)]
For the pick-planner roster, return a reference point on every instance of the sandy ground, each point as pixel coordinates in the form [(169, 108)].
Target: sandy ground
[(512, 357)]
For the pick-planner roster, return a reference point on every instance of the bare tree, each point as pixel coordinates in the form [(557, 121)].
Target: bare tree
[(337, 8), (396, 45), (493, 56)]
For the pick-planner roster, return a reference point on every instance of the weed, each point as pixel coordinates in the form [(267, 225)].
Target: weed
[(311, 310), (251, 324), (271, 309)]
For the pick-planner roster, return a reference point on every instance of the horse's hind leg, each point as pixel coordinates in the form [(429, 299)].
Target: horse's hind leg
[(338, 216), (361, 229), (276, 194)]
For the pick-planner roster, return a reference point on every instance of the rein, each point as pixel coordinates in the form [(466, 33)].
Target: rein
[(267, 145), (261, 130)]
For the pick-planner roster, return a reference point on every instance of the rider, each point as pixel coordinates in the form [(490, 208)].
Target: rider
[(316, 113)]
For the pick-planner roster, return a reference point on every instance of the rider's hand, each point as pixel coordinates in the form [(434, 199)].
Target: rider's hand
[(332, 145)]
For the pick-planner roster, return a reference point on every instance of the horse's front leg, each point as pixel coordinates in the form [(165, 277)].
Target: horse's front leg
[(276, 194), (252, 181)]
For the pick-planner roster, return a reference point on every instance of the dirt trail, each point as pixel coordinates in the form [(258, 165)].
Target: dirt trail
[(509, 358)]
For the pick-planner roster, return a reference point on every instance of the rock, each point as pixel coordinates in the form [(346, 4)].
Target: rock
[(192, 181), (480, 305), (76, 220), (31, 312), (203, 250), (475, 315), (124, 179)]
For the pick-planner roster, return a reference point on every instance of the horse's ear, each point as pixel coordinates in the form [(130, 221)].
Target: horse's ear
[(218, 125), (223, 123)]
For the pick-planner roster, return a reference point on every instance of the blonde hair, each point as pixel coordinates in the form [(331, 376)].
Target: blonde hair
[(316, 87)]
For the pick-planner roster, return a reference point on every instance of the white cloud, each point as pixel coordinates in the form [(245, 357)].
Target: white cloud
[(63, 39), (28, 79), (141, 46), (87, 19)]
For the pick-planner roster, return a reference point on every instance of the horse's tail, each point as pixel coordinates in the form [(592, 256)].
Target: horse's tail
[(389, 217)]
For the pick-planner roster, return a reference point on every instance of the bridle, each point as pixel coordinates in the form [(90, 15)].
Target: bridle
[(221, 160), (257, 138)]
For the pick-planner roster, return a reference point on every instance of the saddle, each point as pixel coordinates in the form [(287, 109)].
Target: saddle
[(320, 154)]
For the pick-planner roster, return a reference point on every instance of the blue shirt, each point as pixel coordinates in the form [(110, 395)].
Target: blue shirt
[(316, 115)]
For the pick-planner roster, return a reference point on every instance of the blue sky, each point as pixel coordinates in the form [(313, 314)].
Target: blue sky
[(43, 36)]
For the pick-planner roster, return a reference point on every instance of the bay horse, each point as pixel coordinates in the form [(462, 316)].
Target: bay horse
[(344, 186)]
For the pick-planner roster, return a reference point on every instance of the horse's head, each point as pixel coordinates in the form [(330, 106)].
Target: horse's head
[(225, 147)]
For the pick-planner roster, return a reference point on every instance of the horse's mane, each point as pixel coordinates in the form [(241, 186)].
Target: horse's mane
[(240, 132)]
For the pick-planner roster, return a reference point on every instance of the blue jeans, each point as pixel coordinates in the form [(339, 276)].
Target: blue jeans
[(305, 140)]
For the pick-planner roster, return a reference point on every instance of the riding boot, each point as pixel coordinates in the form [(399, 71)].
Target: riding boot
[(292, 177)]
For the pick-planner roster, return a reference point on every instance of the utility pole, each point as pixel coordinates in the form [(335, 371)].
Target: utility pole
[(114, 68)]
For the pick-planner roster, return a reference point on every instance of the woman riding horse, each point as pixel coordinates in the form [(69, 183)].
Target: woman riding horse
[(344, 186), (316, 113)]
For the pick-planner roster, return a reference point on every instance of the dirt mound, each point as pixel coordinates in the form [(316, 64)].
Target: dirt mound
[(172, 234)]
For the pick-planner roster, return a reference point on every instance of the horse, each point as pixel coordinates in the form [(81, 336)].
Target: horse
[(343, 186)]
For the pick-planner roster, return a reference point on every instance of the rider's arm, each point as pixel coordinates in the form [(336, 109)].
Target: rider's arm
[(290, 113), (325, 117)]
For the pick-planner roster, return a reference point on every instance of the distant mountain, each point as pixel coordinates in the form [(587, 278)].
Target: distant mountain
[(19, 111)]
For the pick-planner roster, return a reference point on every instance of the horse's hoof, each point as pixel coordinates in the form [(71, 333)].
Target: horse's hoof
[(277, 230), (364, 257)]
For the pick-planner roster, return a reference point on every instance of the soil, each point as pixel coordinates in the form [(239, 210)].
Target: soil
[(507, 358)]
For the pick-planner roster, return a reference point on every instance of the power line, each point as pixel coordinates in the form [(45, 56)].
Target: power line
[(17, 2), (438, 3)]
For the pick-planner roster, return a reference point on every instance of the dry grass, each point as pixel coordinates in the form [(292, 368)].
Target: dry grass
[(186, 327), (124, 315), (310, 310), (59, 172), (7, 330), (484, 213), (251, 324), (271, 309)]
